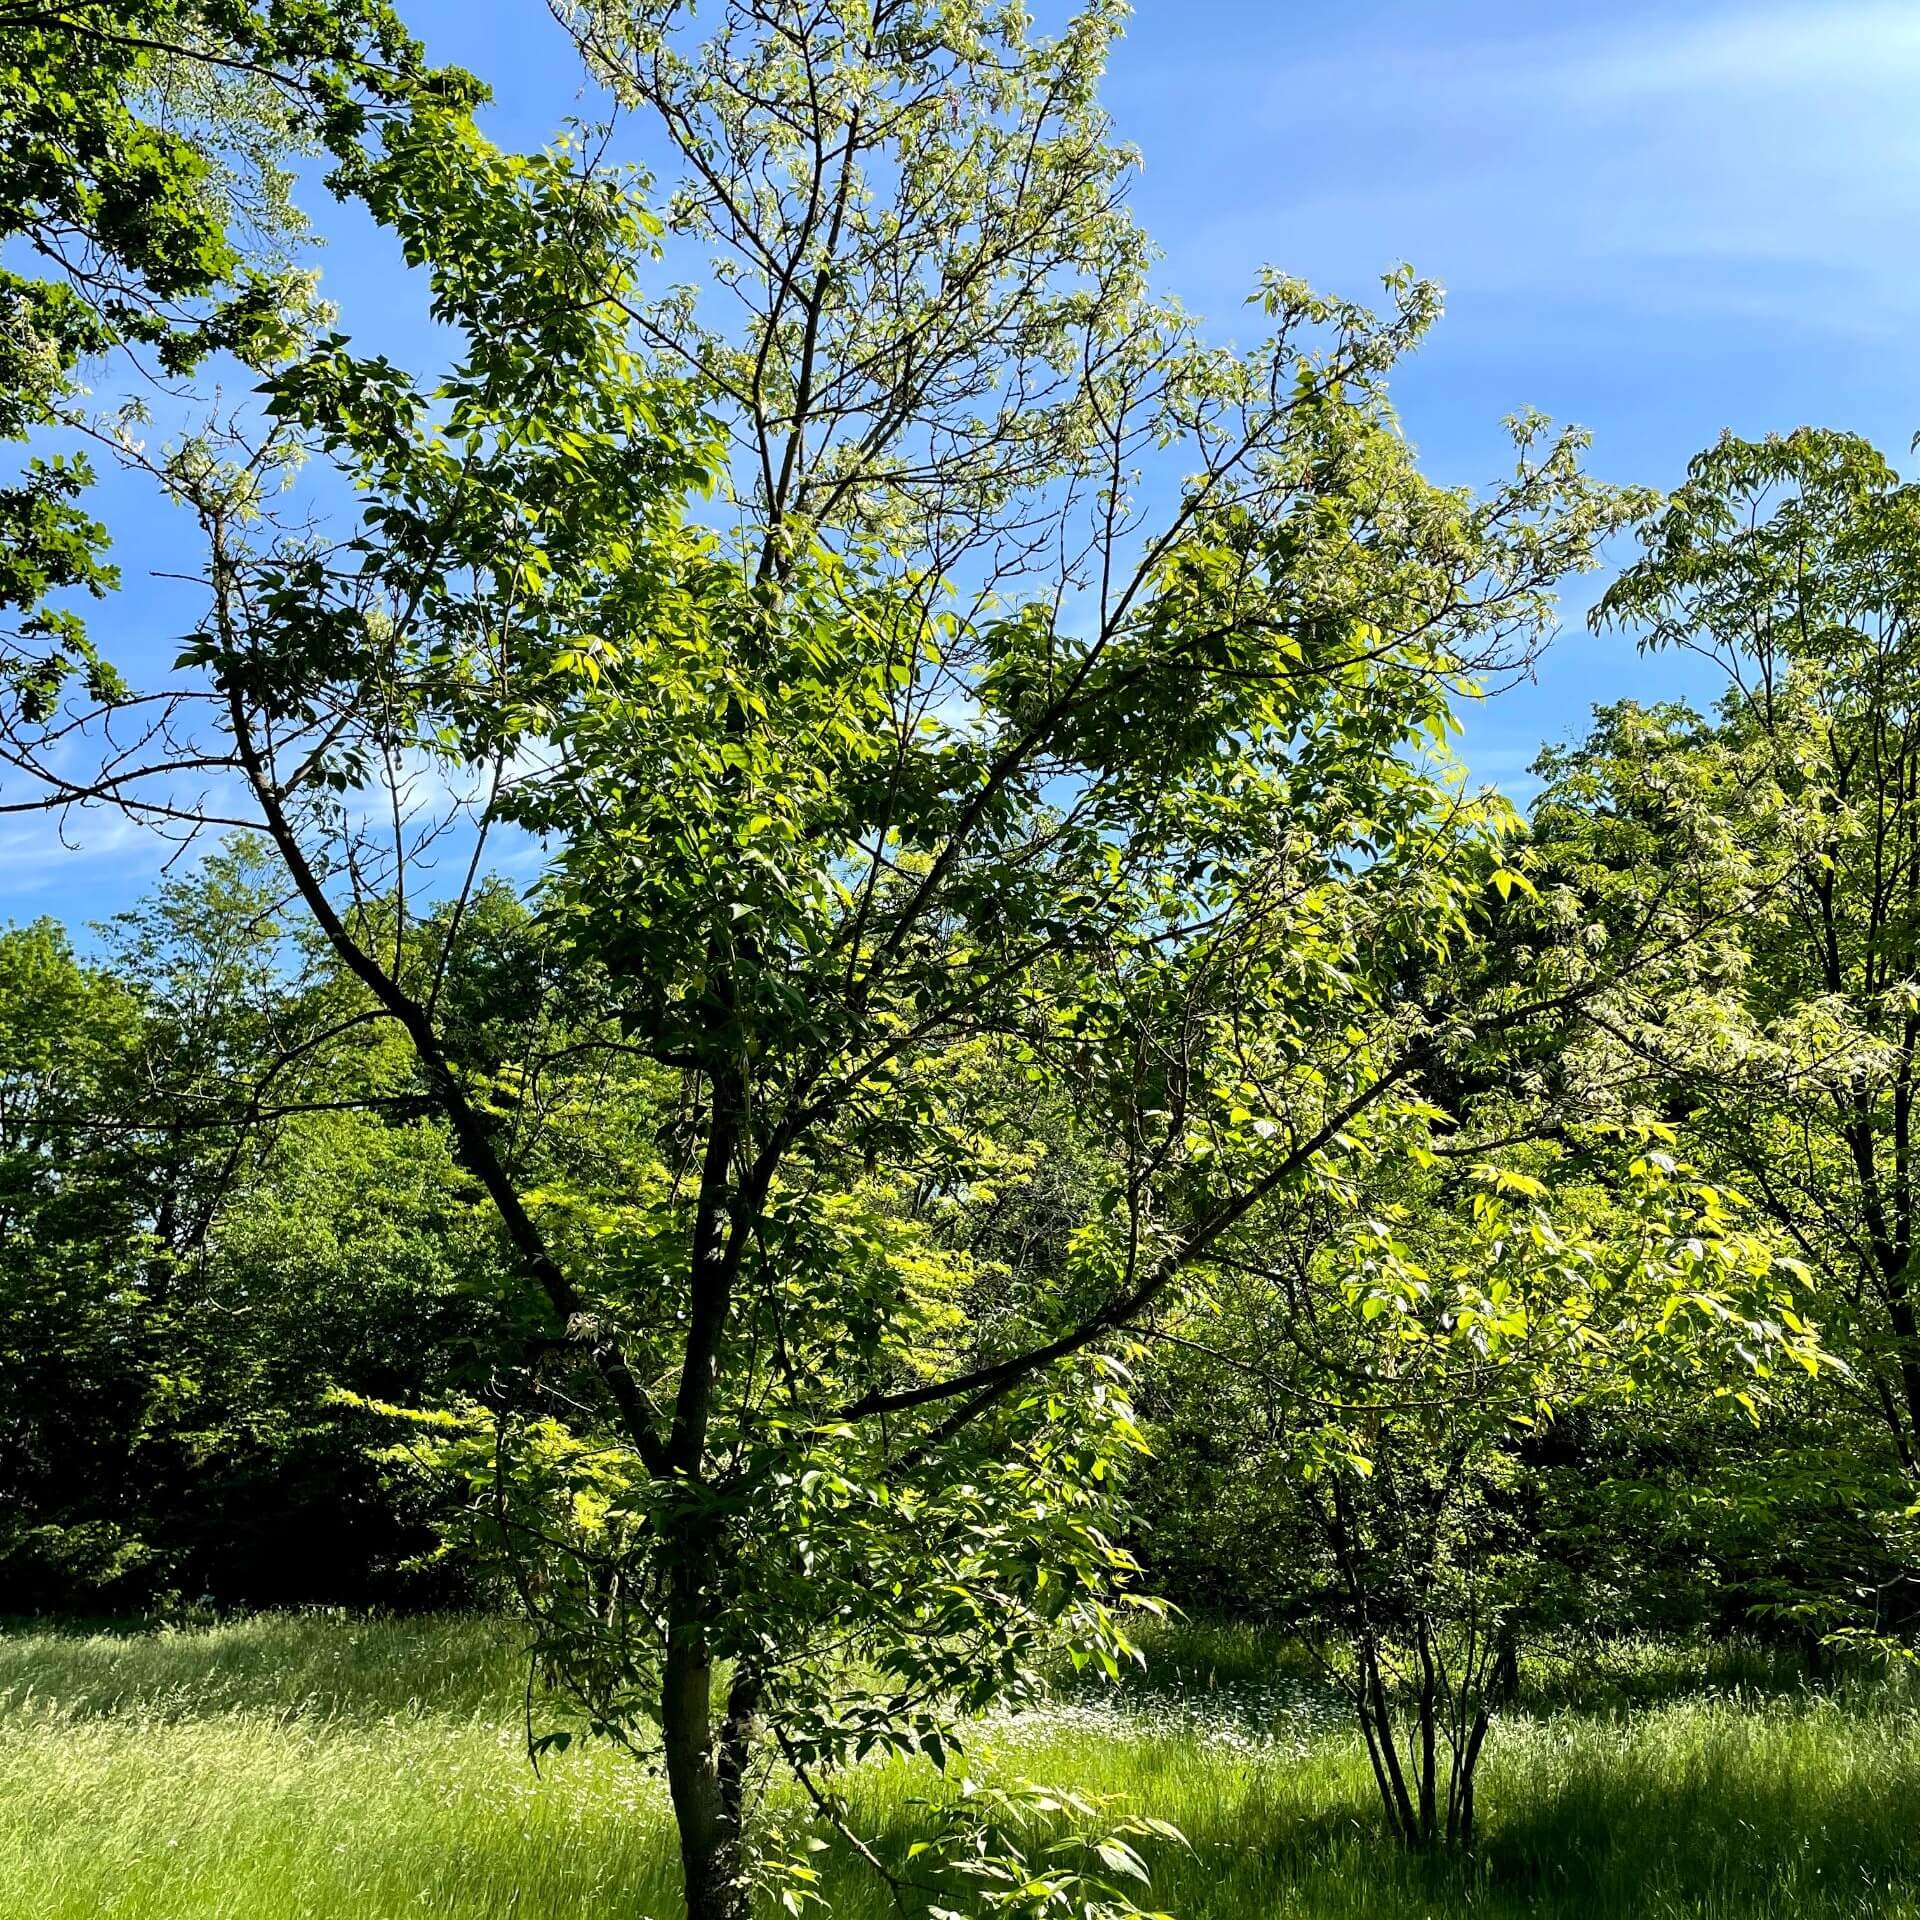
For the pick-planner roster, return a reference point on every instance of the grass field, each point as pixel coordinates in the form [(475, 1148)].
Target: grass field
[(316, 1769)]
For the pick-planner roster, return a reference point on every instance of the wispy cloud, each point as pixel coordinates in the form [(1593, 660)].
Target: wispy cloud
[(1772, 53), (1763, 164), (46, 863)]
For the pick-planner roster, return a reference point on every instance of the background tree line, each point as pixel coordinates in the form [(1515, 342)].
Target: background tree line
[(1028, 1079)]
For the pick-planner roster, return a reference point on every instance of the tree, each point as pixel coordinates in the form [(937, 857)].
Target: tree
[(70, 1242), (1787, 1041), (1380, 1377), (226, 1204), (981, 794), (143, 178)]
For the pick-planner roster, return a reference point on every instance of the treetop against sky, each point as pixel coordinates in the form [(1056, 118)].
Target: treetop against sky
[(1658, 221)]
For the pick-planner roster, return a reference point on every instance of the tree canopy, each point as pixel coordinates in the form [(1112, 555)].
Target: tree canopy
[(1013, 981)]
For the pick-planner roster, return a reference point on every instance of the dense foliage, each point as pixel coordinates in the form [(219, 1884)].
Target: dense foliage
[(1024, 1079), (222, 1209)]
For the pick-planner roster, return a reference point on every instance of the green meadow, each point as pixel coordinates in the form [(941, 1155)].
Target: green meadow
[(315, 1768)]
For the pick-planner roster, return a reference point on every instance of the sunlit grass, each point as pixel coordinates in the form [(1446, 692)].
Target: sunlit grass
[(319, 1769)]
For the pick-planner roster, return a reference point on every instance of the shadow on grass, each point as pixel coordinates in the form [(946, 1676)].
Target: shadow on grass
[(1677, 1782), (1717, 1807)]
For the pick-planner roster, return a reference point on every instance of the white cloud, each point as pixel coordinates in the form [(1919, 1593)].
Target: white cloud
[(1773, 53), (40, 855), (1762, 165)]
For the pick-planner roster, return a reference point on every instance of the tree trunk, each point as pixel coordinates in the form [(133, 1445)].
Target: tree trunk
[(1380, 1775), (1399, 1804), (1429, 1707), (1460, 1813), (1504, 1687), (706, 1785)]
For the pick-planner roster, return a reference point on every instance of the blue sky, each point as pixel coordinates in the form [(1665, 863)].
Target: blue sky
[(1655, 220)]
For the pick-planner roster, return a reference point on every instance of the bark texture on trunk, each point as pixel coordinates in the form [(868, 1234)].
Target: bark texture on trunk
[(706, 1777)]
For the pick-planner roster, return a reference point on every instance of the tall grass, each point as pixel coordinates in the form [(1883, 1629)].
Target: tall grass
[(314, 1769)]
